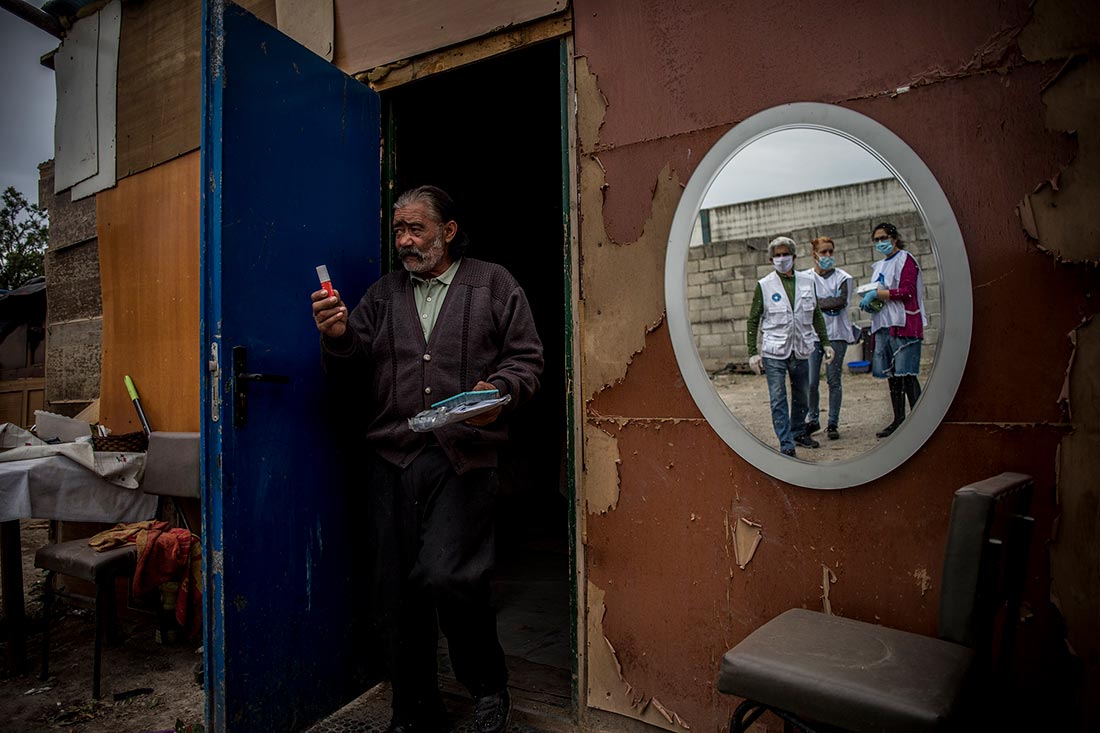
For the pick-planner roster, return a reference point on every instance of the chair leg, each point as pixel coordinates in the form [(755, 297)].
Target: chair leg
[(749, 710), (47, 614), (103, 590), (745, 715)]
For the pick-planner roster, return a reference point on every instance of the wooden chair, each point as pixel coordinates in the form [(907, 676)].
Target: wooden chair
[(171, 470), (823, 672)]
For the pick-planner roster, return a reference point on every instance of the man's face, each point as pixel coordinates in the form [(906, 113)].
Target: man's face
[(421, 240), (782, 249)]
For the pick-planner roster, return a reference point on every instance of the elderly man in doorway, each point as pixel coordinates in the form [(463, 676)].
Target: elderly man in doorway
[(442, 325), (784, 308)]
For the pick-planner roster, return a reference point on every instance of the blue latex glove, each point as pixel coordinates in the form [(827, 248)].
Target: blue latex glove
[(865, 304)]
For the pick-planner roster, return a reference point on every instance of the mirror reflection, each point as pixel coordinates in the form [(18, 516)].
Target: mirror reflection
[(812, 292)]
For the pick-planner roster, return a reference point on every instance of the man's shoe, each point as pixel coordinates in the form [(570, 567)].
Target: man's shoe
[(806, 442), (491, 712), (832, 432), (812, 427), (788, 452)]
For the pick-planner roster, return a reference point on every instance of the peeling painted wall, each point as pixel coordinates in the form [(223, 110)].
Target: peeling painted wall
[(990, 104)]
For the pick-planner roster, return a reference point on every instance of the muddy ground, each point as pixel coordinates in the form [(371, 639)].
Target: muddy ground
[(865, 409), (64, 701)]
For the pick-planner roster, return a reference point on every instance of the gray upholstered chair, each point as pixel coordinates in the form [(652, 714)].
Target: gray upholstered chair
[(171, 470), (823, 672)]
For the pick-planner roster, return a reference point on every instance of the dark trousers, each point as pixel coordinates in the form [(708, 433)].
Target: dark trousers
[(432, 539)]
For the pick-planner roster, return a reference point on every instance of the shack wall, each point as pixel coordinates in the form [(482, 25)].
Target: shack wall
[(969, 88), (990, 93)]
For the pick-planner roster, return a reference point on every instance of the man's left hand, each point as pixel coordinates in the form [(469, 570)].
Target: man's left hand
[(484, 418), (829, 354)]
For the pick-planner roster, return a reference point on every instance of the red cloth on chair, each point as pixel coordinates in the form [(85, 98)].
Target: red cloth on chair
[(164, 554)]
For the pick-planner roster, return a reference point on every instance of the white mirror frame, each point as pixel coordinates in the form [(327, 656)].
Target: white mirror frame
[(956, 303)]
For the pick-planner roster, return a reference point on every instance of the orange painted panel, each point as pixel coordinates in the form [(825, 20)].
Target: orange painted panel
[(149, 269)]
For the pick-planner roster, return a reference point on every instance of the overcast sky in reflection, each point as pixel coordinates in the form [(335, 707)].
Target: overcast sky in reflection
[(789, 161)]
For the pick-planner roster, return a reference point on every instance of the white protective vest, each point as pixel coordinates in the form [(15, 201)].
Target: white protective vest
[(887, 272), (839, 325), (787, 330)]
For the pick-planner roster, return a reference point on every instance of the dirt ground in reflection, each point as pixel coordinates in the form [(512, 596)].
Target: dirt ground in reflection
[(864, 411)]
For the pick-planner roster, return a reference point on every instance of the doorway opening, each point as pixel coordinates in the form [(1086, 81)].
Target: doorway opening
[(490, 134)]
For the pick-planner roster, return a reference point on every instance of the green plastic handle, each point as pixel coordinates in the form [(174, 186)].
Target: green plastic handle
[(130, 387)]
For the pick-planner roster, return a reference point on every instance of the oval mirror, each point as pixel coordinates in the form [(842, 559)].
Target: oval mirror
[(815, 181)]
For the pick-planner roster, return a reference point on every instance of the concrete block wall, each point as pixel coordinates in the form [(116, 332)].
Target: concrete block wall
[(74, 320), (722, 277)]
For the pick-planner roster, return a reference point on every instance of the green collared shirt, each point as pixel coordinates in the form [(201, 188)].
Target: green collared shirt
[(429, 295)]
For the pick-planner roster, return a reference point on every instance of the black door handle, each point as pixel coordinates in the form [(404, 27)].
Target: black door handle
[(241, 378)]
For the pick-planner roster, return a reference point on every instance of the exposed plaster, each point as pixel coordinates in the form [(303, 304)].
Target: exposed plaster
[(601, 469), (924, 580), (622, 284), (1058, 213), (1059, 217), (1059, 28), (1074, 563), (746, 538), (995, 53), (622, 421), (1064, 396), (828, 577), (607, 688)]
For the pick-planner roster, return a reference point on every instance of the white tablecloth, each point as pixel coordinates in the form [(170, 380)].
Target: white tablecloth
[(56, 487)]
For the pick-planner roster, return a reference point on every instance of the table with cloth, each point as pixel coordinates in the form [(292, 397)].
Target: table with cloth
[(68, 482)]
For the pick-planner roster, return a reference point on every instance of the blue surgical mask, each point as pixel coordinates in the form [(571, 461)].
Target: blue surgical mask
[(885, 247), (783, 263), (826, 263)]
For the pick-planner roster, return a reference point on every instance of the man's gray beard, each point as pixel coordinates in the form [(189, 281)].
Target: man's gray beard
[(426, 261)]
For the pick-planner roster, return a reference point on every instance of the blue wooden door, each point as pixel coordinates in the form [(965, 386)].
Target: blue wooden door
[(290, 181)]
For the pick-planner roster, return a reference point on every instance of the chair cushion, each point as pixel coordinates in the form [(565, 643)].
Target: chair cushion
[(77, 559), (172, 465), (847, 673)]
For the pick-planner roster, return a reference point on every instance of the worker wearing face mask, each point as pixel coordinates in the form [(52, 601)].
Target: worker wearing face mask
[(834, 289), (898, 319), (784, 310)]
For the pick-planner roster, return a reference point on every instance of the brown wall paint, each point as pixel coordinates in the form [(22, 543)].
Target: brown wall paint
[(670, 79)]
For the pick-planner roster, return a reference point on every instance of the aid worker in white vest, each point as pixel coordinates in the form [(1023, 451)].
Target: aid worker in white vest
[(784, 309), (898, 325), (834, 288)]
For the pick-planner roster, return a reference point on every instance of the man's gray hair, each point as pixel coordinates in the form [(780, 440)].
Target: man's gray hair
[(443, 209), (779, 241)]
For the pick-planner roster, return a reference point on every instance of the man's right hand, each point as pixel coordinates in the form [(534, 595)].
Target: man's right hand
[(330, 314), (756, 363)]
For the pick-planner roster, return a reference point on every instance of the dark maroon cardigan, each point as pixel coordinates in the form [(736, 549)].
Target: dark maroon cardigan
[(484, 332)]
